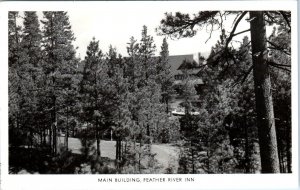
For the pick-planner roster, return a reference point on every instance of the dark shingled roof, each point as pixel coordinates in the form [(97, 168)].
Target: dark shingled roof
[(176, 60)]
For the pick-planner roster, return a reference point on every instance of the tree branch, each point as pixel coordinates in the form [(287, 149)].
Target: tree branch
[(282, 50), (276, 65), (270, 17), (245, 74), (241, 32), (248, 43), (237, 16), (221, 18), (211, 30), (180, 25), (234, 28), (281, 65), (277, 47), (286, 19)]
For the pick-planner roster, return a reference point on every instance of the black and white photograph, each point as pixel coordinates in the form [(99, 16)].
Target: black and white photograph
[(169, 89)]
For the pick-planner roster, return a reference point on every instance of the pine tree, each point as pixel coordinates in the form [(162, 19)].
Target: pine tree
[(118, 88), (14, 86), (147, 49), (94, 89), (59, 64), (280, 41), (14, 38), (31, 46), (145, 106), (164, 76), (132, 66), (148, 88), (264, 102)]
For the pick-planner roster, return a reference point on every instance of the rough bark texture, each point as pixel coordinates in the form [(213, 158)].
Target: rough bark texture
[(98, 141), (263, 95), (289, 148), (67, 130), (54, 126)]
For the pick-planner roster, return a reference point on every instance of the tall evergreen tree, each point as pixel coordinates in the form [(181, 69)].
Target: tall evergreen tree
[(119, 90), (164, 75), (31, 46), (280, 51), (263, 95), (132, 66), (14, 86), (145, 107), (93, 89), (59, 64), (147, 49)]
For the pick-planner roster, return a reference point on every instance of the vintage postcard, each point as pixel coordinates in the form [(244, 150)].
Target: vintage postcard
[(149, 94)]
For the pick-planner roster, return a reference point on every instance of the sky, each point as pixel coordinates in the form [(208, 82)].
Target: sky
[(113, 23), (109, 27)]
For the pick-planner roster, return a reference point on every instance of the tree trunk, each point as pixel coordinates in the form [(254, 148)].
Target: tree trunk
[(280, 156), (44, 140), (41, 138), (31, 138), (247, 152), (193, 162), (98, 140), (289, 149), (208, 153), (98, 146), (263, 95), (50, 138), (54, 126), (148, 132), (125, 148), (73, 130), (140, 155), (167, 104), (120, 149), (54, 139), (117, 149), (67, 130)]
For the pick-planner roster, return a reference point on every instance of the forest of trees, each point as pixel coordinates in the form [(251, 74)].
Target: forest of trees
[(244, 125)]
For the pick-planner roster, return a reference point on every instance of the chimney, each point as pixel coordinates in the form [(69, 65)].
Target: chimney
[(196, 59), (201, 59)]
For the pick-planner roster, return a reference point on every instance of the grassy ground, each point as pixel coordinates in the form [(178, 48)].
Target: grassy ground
[(24, 160), (166, 154)]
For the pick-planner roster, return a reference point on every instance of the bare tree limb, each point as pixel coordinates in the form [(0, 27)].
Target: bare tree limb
[(234, 28), (247, 74), (221, 18), (286, 19), (283, 51), (244, 75), (281, 65), (226, 52), (248, 30), (248, 44), (269, 16), (211, 30), (237, 16), (276, 65), (277, 47)]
